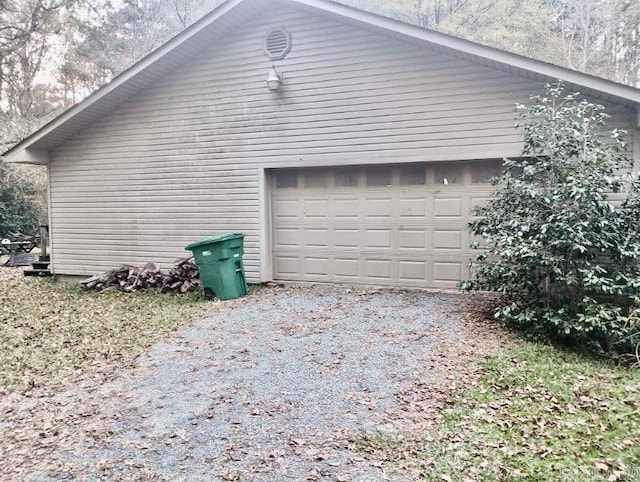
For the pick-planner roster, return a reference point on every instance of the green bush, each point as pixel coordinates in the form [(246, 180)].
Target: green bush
[(19, 209), (565, 257)]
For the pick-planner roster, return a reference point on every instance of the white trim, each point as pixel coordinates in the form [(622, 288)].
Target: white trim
[(264, 239), (49, 220)]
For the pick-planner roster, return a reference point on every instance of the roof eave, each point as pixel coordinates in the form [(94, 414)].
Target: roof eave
[(14, 153), (27, 155), (29, 151), (551, 71)]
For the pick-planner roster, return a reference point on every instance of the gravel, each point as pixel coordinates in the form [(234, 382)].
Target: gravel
[(277, 386)]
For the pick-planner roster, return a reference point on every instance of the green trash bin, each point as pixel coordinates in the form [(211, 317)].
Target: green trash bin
[(219, 259)]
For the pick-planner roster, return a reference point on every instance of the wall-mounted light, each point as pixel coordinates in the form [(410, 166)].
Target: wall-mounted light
[(274, 81)]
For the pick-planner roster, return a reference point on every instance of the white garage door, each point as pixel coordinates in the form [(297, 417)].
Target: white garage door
[(380, 225)]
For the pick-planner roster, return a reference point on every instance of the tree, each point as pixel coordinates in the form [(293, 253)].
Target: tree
[(621, 43), (507, 25), (19, 208), (595, 36), (20, 20), (107, 40), (432, 14), (600, 37), (565, 259), (26, 30)]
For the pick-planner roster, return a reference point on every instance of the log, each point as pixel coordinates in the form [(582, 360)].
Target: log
[(183, 277)]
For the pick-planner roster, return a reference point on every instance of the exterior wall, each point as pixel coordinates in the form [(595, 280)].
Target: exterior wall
[(186, 157)]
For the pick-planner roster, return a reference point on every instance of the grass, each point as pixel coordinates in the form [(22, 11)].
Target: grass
[(534, 414), (49, 329)]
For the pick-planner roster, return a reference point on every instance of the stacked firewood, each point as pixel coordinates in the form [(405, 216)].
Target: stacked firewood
[(181, 278)]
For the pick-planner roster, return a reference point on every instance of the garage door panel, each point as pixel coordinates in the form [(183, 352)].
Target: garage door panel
[(347, 267), (316, 208), (378, 269), (316, 266), (287, 238), (286, 209), (316, 237), (376, 208), (286, 266), (378, 238), (348, 225), (412, 271), (448, 239), (412, 239), (448, 207), (447, 271), (347, 208), (412, 208), (347, 238)]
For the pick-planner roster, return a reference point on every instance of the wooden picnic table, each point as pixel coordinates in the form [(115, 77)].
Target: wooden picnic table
[(14, 247)]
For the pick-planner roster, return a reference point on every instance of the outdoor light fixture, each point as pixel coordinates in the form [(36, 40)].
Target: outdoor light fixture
[(273, 81)]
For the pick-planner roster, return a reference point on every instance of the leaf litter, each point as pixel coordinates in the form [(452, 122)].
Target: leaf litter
[(325, 383), (287, 383)]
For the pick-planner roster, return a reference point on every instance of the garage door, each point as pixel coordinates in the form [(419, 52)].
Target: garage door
[(400, 225)]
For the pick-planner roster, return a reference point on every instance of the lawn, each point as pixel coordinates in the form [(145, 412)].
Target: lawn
[(50, 329), (519, 411), (530, 413)]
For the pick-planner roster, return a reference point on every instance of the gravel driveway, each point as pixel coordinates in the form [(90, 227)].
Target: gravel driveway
[(281, 385)]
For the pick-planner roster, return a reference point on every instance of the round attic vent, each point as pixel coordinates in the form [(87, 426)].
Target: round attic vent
[(277, 44)]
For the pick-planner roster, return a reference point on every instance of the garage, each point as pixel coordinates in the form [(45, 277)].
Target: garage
[(389, 225), (345, 146)]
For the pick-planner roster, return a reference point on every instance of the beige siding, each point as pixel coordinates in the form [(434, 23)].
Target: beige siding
[(181, 160)]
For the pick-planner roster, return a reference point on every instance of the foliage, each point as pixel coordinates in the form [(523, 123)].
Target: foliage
[(107, 39), (48, 329), (507, 24), (540, 414), (20, 210), (565, 259), (26, 33), (593, 36), (599, 36), (518, 411)]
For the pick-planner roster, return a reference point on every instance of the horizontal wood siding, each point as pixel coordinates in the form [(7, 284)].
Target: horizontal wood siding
[(181, 160)]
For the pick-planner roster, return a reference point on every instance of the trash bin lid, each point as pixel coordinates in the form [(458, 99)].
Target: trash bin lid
[(215, 239)]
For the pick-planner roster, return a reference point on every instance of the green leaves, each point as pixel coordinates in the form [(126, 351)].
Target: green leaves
[(538, 413), (565, 258), (18, 209)]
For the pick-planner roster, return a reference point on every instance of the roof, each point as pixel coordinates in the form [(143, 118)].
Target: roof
[(232, 13)]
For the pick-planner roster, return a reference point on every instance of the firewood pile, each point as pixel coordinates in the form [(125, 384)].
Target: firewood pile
[(181, 278)]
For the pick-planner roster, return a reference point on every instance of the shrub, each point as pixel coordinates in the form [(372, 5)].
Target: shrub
[(19, 209), (563, 254)]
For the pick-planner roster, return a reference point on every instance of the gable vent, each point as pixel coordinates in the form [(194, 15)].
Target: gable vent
[(277, 44)]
